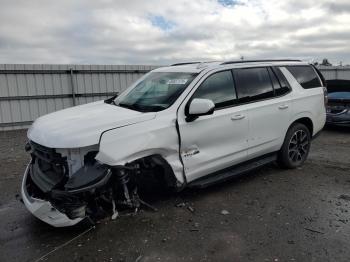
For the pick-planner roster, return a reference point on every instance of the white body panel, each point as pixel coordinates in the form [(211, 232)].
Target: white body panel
[(307, 103), (213, 142), (156, 137), (268, 123), (82, 126)]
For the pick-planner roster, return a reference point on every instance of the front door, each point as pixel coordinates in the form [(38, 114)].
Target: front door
[(214, 142)]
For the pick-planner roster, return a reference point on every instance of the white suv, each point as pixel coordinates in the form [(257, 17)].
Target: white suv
[(190, 124)]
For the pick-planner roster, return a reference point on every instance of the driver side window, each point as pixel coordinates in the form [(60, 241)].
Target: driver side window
[(218, 87)]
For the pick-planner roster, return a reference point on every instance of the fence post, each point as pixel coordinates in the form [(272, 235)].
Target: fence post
[(336, 73), (73, 89)]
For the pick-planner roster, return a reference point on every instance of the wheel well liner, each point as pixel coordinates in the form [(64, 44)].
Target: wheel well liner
[(158, 160), (307, 122)]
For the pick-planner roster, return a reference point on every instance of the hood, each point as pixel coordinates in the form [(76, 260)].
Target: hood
[(339, 96), (82, 126)]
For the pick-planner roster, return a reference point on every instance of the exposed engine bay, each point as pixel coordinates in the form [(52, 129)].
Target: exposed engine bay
[(78, 186)]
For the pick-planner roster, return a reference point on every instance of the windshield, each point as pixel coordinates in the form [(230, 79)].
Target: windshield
[(156, 92)]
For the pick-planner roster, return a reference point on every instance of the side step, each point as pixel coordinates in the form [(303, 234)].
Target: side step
[(230, 172)]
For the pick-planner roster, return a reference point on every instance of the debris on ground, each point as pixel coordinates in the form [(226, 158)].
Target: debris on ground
[(190, 209), (115, 212), (182, 204), (224, 212), (344, 197), (319, 209), (195, 227), (314, 231), (138, 258)]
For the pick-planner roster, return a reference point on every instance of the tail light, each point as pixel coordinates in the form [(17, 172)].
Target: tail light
[(325, 95), (324, 84)]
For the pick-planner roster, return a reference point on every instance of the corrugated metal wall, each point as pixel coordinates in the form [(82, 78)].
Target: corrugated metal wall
[(29, 91), (335, 72)]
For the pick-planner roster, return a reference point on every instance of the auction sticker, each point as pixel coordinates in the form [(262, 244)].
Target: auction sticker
[(177, 81)]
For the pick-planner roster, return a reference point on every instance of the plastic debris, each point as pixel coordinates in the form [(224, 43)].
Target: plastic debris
[(224, 212)]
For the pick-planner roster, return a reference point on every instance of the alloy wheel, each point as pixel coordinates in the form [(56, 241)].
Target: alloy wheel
[(298, 146)]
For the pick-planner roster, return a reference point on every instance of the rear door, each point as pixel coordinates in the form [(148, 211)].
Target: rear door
[(268, 104), (216, 141), (308, 93)]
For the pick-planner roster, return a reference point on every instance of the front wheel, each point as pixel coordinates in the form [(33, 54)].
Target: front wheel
[(296, 146)]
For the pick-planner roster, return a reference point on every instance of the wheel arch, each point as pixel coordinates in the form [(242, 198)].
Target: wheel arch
[(160, 161), (283, 157), (165, 158), (305, 121)]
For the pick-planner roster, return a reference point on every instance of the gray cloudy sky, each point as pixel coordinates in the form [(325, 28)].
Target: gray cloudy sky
[(161, 32)]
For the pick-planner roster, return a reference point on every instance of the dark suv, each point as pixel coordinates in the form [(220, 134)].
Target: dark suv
[(338, 109)]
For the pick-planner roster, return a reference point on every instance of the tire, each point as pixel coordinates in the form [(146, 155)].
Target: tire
[(296, 146)]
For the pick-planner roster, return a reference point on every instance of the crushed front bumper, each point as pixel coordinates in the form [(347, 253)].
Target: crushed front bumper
[(43, 209), (338, 119)]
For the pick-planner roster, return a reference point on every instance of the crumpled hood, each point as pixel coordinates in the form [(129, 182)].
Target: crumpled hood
[(339, 96), (82, 126)]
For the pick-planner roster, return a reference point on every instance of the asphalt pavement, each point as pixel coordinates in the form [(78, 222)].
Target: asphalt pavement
[(271, 214)]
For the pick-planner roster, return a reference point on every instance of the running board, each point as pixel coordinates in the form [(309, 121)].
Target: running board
[(233, 171)]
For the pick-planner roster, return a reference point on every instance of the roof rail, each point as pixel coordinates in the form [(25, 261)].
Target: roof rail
[(185, 63), (262, 60)]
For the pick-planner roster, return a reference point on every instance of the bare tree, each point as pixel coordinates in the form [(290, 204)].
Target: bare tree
[(325, 62)]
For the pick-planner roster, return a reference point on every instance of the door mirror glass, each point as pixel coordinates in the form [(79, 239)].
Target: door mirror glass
[(200, 107)]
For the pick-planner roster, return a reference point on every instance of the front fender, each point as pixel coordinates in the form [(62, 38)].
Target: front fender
[(124, 145)]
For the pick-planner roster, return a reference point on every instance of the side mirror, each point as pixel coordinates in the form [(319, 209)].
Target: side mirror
[(199, 107)]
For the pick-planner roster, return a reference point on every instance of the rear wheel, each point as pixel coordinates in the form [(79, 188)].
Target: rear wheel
[(296, 146)]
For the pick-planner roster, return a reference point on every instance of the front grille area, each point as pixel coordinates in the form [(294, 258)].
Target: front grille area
[(336, 110), (335, 107), (48, 169)]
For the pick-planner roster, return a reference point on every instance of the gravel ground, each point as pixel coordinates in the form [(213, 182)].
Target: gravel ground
[(269, 215)]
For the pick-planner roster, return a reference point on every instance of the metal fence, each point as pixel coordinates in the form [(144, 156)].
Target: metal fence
[(335, 72), (29, 91)]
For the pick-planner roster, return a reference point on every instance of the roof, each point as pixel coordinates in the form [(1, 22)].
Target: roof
[(196, 67)]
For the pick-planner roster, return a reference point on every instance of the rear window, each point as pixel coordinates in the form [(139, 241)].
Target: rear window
[(305, 75), (283, 87)]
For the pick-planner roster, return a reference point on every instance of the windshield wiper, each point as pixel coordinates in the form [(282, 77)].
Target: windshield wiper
[(141, 108), (132, 107), (111, 99)]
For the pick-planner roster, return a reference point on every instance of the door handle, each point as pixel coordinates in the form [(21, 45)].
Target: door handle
[(237, 117), (283, 107)]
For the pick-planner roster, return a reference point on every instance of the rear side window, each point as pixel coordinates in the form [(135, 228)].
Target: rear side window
[(253, 84), (219, 88), (279, 82), (305, 75)]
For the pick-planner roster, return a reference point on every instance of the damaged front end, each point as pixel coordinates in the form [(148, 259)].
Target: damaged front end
[(63, 187)]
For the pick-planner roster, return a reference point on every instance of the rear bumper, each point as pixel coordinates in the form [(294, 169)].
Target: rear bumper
[(43, 209)]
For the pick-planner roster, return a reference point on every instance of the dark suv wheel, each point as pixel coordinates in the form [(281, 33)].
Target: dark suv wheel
[(296, 146)]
